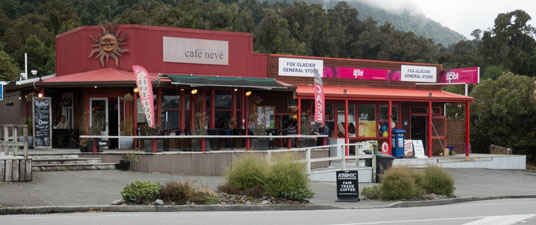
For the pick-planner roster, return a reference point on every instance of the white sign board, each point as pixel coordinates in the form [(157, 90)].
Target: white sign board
[(300, 67), (198, 51), (418, 149), (418, 73)]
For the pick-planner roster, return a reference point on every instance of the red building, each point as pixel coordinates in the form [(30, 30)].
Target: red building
[(214, 80)]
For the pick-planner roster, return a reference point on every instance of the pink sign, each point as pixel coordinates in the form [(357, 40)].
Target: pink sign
[(145, 88), (360, 73), (319, 98), (463, 75)]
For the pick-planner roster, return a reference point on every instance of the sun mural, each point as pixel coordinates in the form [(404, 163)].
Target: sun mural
[(108, 45)]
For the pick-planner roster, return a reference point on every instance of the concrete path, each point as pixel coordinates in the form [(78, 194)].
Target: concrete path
[(82, 188)]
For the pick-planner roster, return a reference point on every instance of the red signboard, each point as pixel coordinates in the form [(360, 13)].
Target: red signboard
[(360, 73), (145, 88), (319, 98), (463, 75)]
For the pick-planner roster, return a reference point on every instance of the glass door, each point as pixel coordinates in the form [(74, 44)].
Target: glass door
[(98, 116)]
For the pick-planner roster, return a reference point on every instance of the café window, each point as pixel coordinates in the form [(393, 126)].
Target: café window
[(170, 110), (367, 120)]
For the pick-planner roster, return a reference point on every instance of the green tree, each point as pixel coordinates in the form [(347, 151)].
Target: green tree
[(504, 113), (273, 36), (40, 56), (8, 68)]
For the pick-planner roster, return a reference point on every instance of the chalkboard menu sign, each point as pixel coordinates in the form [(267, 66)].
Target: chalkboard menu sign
[(347, 186), (42, 122)]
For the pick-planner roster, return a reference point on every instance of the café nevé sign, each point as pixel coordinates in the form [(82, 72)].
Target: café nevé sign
[(197, 51)]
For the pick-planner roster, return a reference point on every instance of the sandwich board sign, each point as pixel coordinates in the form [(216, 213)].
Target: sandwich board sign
[(419, 149), (347, 186)]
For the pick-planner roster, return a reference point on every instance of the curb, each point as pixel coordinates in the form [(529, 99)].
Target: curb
[(156, 208), (452, 201), (190, 208)]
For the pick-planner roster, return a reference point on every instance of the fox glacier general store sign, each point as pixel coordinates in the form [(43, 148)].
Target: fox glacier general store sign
[(418, 73), (300, 67), (197, 51)]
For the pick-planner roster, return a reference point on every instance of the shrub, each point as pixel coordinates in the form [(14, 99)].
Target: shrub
[(438, 181), (248, 172), (371, 192), (141, 192), (288, 179), (397, 183), (177, 193), (205, 196)]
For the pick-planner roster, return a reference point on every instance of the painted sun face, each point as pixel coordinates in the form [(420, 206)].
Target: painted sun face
[(108, 45)]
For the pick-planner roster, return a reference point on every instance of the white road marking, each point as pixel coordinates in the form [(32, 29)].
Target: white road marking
[(501, 220), (484, 220)]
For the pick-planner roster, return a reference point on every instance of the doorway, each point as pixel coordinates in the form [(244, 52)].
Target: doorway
[(419, 128)]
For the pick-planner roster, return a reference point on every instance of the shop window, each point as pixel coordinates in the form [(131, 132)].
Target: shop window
[(384, 113), (367, 120), (329, 118), (436, 111), (170, 110), (341, 126)]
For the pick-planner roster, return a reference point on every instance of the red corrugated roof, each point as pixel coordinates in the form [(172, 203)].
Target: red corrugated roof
[(382, 93), (101, 76)]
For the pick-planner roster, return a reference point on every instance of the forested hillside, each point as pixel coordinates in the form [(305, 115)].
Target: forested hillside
[(290, 28)]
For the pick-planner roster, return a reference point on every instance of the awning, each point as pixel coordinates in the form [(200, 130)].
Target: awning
[(102, 77), (365, 93), (231, 82)]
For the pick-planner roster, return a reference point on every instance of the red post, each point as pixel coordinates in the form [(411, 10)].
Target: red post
[(154, 146), (158, 105), (246, 131), (299, 117), (213, 108), (135, 118), (204, 109), (346, 139), (429, 129), (389, 128), (467, 129), (233, 108), (182, 113)]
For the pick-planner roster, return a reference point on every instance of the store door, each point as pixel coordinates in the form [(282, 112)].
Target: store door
[(419, 127), (113, 122), (98, 116)]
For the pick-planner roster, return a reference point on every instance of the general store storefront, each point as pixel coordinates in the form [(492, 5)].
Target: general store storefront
[(211, 82)]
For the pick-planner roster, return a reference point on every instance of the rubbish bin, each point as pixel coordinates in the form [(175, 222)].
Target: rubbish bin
[(398, 143), (451, 150), (384, 162)]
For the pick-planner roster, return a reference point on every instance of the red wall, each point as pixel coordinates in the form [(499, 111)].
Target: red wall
[(145, 48)]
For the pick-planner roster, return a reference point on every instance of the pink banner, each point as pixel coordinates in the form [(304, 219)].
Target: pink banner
[(145, 88), (463, 75), (360, 73), (319, 98)]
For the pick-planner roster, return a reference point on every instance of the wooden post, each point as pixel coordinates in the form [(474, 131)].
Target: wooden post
[(22, 170), (15, 164), (9, 170), (2, 170), (28, 170)]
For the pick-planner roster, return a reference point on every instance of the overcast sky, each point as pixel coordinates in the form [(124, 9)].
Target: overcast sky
[(463, 16)]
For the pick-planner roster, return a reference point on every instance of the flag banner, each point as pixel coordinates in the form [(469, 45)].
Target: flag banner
[(145, 91), (319, 98)]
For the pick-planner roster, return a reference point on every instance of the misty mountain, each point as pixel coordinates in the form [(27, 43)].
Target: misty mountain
[(402, 20)]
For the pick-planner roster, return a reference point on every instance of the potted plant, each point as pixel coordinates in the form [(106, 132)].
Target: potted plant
[(200, 127), (28, 122), (259, 129), (148, 143), (126, 125), (124, 164), (126, 130), (98, 124), (306, 128)]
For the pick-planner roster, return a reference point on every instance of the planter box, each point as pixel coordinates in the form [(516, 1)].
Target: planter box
[(196, 145), (126, 143), (306, 142), (148, 145), (124, 164), (259, 144)]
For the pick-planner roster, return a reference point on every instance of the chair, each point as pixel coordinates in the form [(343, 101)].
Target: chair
[(168, 132), (273, 142), (214, 141)]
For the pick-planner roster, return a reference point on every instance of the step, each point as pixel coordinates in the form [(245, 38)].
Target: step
[(77, 161), (73, 167), (53, 156)]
